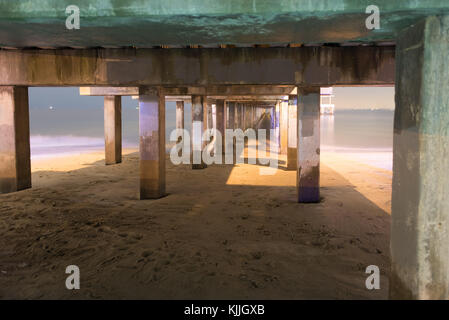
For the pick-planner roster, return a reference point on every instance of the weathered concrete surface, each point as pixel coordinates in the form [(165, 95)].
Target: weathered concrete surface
[(248, 115), (307, 66), (283, 126), (220, 118), (145, 23), (15, 167), (199, 125), (276, 124), (209, 115), (308, 177), (180, 115), (113, 129), (231, 115), (292, 144), (152, 144), (420, 206)]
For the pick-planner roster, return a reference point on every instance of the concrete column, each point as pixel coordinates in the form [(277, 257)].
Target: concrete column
[(15, 164), (180, 117), (420, 206), (308, 171), (276, 114), (248, 116), (283, 126), (253, 117), (113, 129), (292, 145), (232, 106), (231, 121), (221, 121), (199, 125), (152, 144), (209, 116), (242, 116)]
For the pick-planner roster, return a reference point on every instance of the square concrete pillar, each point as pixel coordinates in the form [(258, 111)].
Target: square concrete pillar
[(283, 127), (199, 125), (420, 193), (253, 117), (292, 144), (241, 116), (308, 171), (248, 116), (209, 116), (152, 144), (276, 124), (15, 163), (220, 118), (231, 117), (180, 117), (113, 129)]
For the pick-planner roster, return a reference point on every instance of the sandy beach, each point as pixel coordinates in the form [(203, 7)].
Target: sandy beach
[(225, 232)]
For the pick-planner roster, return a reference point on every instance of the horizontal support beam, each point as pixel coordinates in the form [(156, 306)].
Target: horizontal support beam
[(109, 91), (311, 66), (186, 92), (250, 98)]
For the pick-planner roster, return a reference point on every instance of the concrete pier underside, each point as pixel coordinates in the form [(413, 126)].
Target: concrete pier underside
[(147, 23)]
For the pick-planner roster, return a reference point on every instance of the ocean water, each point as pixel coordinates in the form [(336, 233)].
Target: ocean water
[(63, 122), (362, 135)]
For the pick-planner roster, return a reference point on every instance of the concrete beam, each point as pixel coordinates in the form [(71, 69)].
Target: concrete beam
[(308, 170), (237, 92), (307, 66), (113, 129), (109, 91), (152, 144), (420, 206), (249, 98), (15, 167), (292, 134)]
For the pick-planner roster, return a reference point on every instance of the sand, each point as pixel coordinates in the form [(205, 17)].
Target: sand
[(225, 232)]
